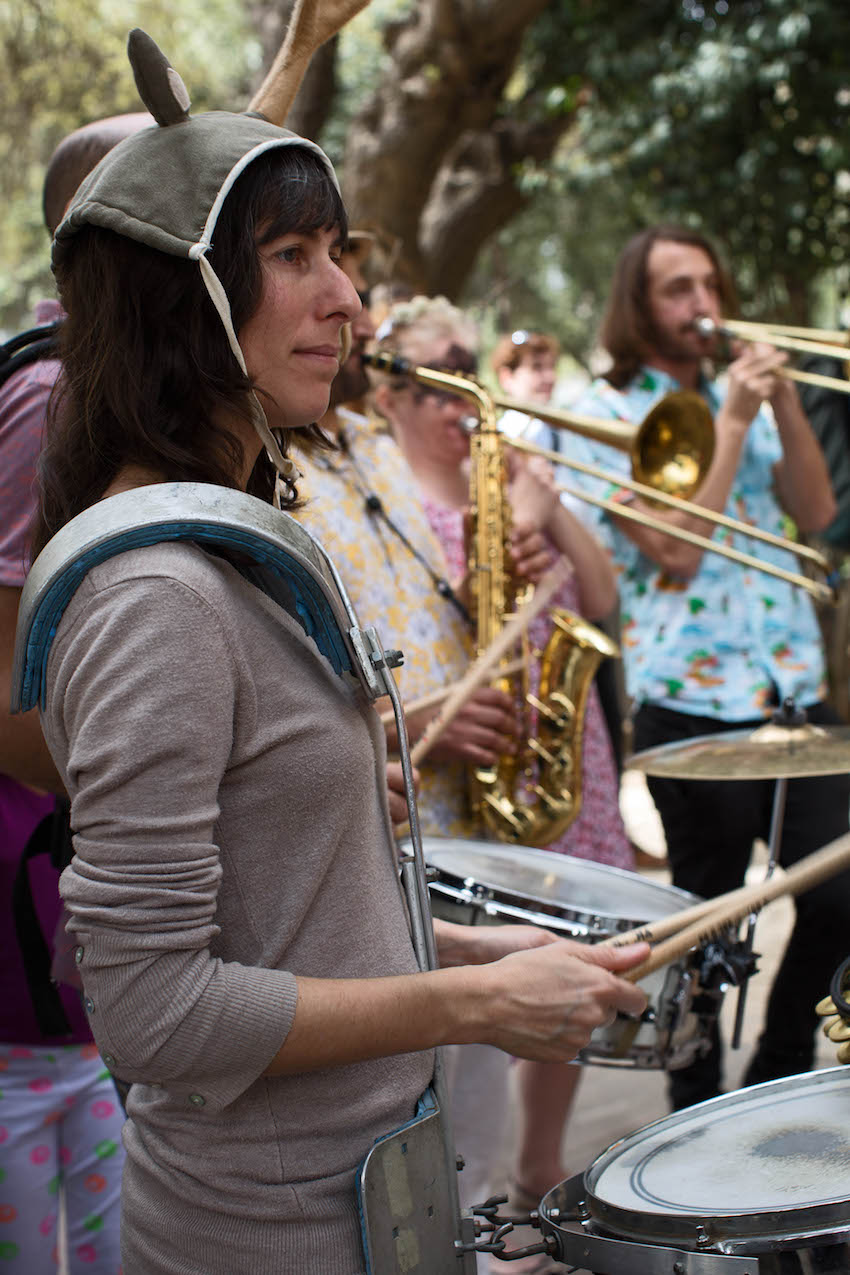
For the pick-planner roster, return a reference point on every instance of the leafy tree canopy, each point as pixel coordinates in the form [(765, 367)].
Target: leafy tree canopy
[(65, 64)]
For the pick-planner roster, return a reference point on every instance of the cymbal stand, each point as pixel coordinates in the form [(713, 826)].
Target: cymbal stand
[(787, 715)]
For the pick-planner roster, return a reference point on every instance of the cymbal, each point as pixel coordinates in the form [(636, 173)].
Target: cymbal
[(768, 752)]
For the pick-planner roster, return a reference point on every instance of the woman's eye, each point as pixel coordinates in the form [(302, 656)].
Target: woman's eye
[(290, 254)]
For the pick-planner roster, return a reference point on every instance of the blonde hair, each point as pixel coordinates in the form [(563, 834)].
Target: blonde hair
[(413, 327)]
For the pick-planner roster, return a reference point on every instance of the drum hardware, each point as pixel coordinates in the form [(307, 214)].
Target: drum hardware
[(480, 883), (750, 1183), (791, 746), (488, 1220)]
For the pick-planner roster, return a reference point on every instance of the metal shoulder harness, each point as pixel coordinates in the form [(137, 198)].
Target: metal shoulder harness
[(407, 1189)]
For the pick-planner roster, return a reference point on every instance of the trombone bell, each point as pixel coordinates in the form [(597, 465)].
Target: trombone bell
[(674, 444)]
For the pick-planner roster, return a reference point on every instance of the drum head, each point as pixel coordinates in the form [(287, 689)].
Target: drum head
[(773, 1159), (592, 894)]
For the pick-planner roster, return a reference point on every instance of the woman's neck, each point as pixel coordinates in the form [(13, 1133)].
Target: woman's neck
[(130, 477), (445, 486)]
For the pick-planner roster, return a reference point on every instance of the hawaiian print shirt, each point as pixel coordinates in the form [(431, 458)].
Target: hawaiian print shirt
[(730, 641), (389, 587)]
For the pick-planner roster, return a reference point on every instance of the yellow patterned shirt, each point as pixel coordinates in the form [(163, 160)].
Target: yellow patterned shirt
[(389, 587)]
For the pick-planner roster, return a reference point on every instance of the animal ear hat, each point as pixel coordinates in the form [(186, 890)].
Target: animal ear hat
[(165, 185)]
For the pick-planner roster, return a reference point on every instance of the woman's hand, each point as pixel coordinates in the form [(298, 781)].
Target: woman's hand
[(396, 791), (546, 1002), (480, 944), (531, 487), (482, 732), (531, 553)]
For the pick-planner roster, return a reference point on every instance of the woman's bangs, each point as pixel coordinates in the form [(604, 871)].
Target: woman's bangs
[(301, 198)]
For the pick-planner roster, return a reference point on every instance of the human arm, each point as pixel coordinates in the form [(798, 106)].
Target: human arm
[(752, 378), (540, 521), (23, 406), (480, 733), (24, 755), (541, 1003), (480, 944), (801, 476)]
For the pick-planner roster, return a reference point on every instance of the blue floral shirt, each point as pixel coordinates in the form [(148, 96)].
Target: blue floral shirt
[(730, 640)]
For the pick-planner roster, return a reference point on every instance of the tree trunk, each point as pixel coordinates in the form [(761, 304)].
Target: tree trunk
[(433, 157)]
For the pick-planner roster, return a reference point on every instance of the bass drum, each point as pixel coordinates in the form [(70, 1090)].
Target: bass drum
[(755, 1182), (480, 883)]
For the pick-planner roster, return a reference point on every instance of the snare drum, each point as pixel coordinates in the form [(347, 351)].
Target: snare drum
[(477, 882), (755, 1182)]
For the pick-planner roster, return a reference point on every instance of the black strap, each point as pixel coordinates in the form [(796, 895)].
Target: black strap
[(53, 837), (28, 347)]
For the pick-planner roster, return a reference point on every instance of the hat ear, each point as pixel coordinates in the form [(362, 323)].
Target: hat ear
[(160, 87)]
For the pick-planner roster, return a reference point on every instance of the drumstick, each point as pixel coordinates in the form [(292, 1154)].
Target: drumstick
[(481, 668), (437, 697), (733, 907)]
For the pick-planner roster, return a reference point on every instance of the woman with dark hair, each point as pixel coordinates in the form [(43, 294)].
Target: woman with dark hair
[(241, 936)]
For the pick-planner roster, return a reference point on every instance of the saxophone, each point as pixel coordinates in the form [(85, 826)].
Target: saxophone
[(531, 798)]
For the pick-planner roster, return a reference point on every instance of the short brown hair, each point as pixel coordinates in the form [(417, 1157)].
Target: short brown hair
[(513, 349), (76, 156), (627, 330)]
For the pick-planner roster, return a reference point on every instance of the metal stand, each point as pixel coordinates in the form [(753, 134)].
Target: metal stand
[(787, 715), (437, 1238)]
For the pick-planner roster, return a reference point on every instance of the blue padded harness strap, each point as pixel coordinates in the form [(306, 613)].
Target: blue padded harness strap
[(312, 608)]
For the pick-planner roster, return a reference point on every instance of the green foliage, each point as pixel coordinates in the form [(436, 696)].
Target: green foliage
[(65, 64), (731, 117)]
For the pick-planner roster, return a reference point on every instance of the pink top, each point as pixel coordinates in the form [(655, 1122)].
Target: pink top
[(23, 404), (22, 412), (597, 832)]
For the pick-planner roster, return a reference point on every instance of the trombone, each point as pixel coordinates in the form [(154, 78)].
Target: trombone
[(784, 338), (657, 446)]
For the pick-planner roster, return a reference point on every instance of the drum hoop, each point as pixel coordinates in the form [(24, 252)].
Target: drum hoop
[(730, 1232), (596, 923)]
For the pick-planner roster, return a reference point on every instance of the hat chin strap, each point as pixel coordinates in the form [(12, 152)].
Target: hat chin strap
[(286, 468)]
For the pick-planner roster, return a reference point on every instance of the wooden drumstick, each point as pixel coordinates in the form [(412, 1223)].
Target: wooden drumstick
[(733, 907), (484, 666)]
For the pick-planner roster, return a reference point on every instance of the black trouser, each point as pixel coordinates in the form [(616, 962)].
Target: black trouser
[(710, 827)]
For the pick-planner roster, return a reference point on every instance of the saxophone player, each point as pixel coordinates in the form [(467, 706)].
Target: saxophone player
[(391, 511)]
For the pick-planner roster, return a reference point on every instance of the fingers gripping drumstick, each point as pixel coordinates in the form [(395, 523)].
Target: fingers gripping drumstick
[(707, 919)]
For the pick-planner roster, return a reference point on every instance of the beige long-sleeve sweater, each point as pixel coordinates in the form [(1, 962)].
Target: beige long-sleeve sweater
[(231, 832)]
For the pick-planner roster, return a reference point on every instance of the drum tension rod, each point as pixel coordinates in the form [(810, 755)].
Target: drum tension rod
[(730, 965)]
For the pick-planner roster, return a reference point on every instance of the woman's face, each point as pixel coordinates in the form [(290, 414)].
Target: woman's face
[(291, 342), (430, 420)]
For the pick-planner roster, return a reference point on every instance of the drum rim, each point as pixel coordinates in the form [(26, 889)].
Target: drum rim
[(727, 1232), (589, 920)]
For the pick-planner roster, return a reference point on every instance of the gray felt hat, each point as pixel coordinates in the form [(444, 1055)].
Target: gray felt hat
[(165, 185)]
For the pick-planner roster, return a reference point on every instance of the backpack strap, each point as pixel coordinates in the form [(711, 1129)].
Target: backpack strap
[(51, 836), (28, 347)]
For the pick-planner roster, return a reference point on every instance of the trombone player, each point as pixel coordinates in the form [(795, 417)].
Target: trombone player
[(709, 647)]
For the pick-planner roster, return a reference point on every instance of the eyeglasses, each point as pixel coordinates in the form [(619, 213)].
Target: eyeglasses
[(440, 398)]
